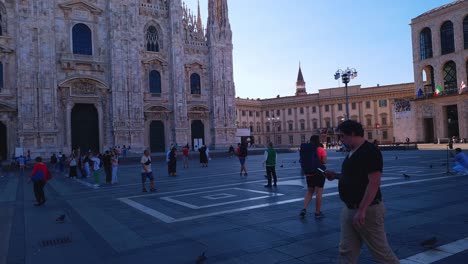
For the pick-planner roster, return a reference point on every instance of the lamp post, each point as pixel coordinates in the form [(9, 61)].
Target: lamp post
[(346, 76), (275, 121)]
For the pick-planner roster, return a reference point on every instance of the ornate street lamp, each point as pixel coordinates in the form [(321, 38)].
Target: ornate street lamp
[(346, 76), (276, 122)]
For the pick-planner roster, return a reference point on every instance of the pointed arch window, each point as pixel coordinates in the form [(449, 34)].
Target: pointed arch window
[(152, 39), (3, 17), (450, 77), (155, 82), (447, 38), (425, 42), (1, 76), (465, 32), (195, 84), (82, 40)]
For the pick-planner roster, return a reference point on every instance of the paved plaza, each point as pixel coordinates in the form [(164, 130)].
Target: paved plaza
[(232, 219)]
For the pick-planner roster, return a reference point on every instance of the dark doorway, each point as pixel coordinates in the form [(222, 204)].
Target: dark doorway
[(198, 132), (157, 140), (429, 130), (452, 121), (85, 127), (3, 142)]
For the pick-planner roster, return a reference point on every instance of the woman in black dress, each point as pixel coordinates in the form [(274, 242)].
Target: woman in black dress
[(203, 157), (172, 162)]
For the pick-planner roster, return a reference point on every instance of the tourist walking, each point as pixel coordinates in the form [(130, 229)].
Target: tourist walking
[(53, 162), (72, 164), (107, 163), (39, 176), (242, 155), (362, 217), (313, 158), (22, 164), (95, 165), (203, 156), (269, 161), (115, 167), (185, 156), (146, 171), (172, 164)]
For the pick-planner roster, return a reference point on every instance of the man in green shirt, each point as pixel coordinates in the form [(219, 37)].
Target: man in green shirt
[(269, 160)]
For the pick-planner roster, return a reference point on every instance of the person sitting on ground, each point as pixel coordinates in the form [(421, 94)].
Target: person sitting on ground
[(461, 161)]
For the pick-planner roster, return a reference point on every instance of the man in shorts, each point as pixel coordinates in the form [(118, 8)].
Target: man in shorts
[(146, 171), (315, 180)]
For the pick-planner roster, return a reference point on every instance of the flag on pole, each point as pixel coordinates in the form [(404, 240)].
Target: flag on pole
[(462, 86), (438, 90), (420, 93)]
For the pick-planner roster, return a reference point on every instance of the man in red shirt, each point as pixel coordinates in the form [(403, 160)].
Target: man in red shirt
[(39, 176)]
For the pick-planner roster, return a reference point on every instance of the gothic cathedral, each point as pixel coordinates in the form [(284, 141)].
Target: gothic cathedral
[(99, 73)]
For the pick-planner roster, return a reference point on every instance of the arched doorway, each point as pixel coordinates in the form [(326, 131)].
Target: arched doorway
[(85, 127), (157, 140), (3, 142), (198, 134)]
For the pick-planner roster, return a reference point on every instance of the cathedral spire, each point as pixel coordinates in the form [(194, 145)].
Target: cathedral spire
[(300, 83), (218, 13), (199, 20)]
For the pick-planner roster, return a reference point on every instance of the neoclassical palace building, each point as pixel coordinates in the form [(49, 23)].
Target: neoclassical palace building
[(291, 120), (440, 59), (99, 73)]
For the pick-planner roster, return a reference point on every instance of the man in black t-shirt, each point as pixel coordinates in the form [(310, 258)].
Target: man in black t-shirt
[(362, 217)]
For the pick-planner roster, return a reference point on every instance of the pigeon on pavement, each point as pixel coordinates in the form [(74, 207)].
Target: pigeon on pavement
[(60, 219), (429, 243), (201, 259)]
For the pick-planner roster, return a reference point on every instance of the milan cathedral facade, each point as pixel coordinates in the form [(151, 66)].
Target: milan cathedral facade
[(98, 73)]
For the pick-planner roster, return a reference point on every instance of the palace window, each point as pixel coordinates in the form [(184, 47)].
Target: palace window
[(314, 124), (384, 135), (250, 113), (243, 112), (301, 110), (353, 105), (268, 128), (155, 82), (314, 109), (303, 138), (340, 107), (302, 126), (369, 135), (267, 113), (195, 84), (447, 38), (450, 77), (291, 139), (290, 126), (82, 40), (382, 103), (384, 121), (369, 121), (425, 43), (289, 111), (152, 39), (368, 104), (327, 108)]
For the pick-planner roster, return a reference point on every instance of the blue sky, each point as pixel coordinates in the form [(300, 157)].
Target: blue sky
[(270, 37)]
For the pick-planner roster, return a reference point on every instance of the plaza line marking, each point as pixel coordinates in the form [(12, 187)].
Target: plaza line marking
[(438, 253), (191, 206), (168, 219)]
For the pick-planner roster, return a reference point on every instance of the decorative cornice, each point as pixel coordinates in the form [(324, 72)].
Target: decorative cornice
[(78, 3)]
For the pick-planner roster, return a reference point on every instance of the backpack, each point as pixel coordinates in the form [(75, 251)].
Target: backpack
[(243, 151), (309, 159)]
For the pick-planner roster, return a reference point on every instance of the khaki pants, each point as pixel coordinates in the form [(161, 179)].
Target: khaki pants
[(372, 233)]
